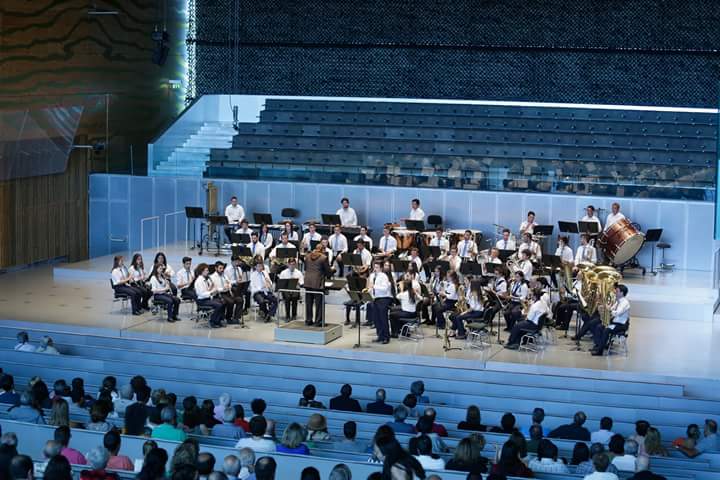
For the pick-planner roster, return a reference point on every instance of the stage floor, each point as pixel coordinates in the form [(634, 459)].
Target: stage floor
[(79, 294)]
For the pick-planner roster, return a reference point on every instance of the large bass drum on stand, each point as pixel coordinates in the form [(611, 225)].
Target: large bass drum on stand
[(621, 242)]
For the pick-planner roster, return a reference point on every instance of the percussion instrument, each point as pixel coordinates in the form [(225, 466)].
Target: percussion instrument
[(621, 242), (456, 236), (427, 237), (405, 238)]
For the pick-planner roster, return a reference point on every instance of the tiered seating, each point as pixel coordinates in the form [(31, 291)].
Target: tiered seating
[(469, 146)]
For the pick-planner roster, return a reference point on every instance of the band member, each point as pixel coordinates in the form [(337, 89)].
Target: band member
[(506, 242), (495, 256), (240, 281), (620, 312), (261, 290), (525, 264), (291, 298), (365, 256), (448, 298), (380, 286), (416, 213), (454, 260), (223, 286), (244, 228), (563, 250), (311, 236), (529, 244), (317, 270), (415, 259), (434, 287), (531, 322), (518, 295), (290, 231), (327, 251), (121, 283), (139, 279), (614, 216), (266, 237), (235, 214), (400, 315), (466, 247), (585, 252), (439, 241), (569, 303), (500, 288), (364, 237), (339, 245), (591, 217), (387, 243), (256, 246), (528, 225), (169, 272), (206, 291), (184, 279), (278, 264), (160, 286), (348, 217), (475, 309)]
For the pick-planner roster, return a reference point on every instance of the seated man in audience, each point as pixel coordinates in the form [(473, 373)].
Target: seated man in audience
[(98, 459), (538, 416), (257, 441), (436, 427), (62, 436), (205, 465), (23, 344), (168, 430), (709, 442), (587, 467), (349, 443), (228, 429), (136, 414), (574, 430), (417, 388), (308, 398), (507, 424), (50, 450), (601, 462), (536, 435), (25, 412), (125, 399), (265, 468), (21, 468), (605, 433), (9, 396), (344, 401), (247, 464), (111, 442), (379, 406), (47, 345), (231, 466), (547, 459), (630, 461), (398, 425), (425, 426)]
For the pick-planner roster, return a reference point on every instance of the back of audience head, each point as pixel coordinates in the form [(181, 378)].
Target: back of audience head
[(229, 415), (340, 472), (346, 390), (424, 445), (424, 425), (58, 468), (579, 418), (581, 453), (509, 456), (400, 413), (168, 415), (472, 415), (601, 462), (467, 452), (711, 426), (616, 445), (519, 440), (630, 447), (7, 382), (350, 430), (536, 432), (309, 392), (606, 423), (546, 449), (185, 453), (430, 413), (265, 468), (641, 427), (596, 448), (154, 464), (147, 446), (417, 388), (51, 449), (410, 401), (185, 472), (62, 435), (21, 468), (293, 435), (98, 458), (231, 466), (310, 473), (9, 438), (258, 425), (205, 463), (247, 458), (215, 475), (239, 411), (258, 406), (22, 337), (380, 395), (507, 422), (538, 415)]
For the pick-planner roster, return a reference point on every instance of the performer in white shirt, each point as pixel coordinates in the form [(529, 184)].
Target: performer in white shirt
[(339, 246), (591, 217), (614, 216), (364, 237), (585, 252), (290, 231), (169, 272), (206, 291), (454, 260), (244, 228), (387, 243), (518, 294), (415, 258), (440, 241), (235, 214), (266, 237), (473, 312), (380, 287), (531, 245), (447, 299), (233, 305), (416, 213), (256, 247), (160, 287), (494, 256), (409, 300), (278, 264), (139, 279), (366, 258), (537, 309), (184, 279), (500, 288), (620, 313), (528, 225), (240, 279), (261, 290), (348, 217), (563, 250), (506, 242), (121, 283), (525, 264), (311, 236), (291, 298), (466, 247)]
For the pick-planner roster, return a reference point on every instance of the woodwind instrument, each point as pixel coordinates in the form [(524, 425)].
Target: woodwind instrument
[(461, 306)]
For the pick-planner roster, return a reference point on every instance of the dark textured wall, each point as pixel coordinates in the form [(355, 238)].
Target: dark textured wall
[(654, 52)]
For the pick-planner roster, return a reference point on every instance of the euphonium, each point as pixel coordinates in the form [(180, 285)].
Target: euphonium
[(567, 273)]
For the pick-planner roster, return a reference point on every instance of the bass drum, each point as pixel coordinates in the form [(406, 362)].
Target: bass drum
[(621, 242), (405, 238)]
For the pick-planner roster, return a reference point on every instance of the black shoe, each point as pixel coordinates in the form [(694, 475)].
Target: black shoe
[(171, 320), (574, 338), (596, 353), (368, 324), (347, 322), (394, 335), (386, 341), (215, 325), (376, 340), (245, 311), (512, 346), (139, 312), (268, 319), (318, 324)]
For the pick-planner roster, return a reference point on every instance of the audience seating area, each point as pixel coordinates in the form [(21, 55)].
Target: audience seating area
[(588, 151), (279, 378)]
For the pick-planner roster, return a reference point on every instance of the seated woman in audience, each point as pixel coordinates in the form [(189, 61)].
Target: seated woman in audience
[(208, 414), (421, 448), (98, 417), (308, 398), (692, 438), (60, 413), (192, 417), (653, 443), (40, 393), (472, 420), (547, 459), (317, 428), (581, 453), (292, 439), (510, 463), (154, 464), (58, 468), (397, 463), (468, 456)]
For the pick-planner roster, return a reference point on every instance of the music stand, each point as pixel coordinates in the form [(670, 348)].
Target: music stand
[(239, 290), (330, 218), (568, 227), (544, 230), (400, 265), (221, 220), (591, 228), (418, 225), (444, 266), (240, 251), (352, 259), (505, 254), (285, 252), (653, 235), (287, 284), (471, 268), (435, 251), (261, 218), (313, 244), (239, 238), (194, 213)]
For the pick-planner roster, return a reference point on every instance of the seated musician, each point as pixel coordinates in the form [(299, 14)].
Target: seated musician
[(409, 300), (447, 298), (454, 260), (160, 286), (184, 279), (235, 214), (569, 303), (278, 264), (266, 237), (223, 284), (500, 288), (495, 256), (261, 291), (529, 244), (505, 243), (563, 250), (529, 224), (620, 313), (289, 231), (311, 236), (139, 279), (244, 228), (439, 241), (518, 295), (434, 287), (614, 216), (475, 308), (291, 298), (387, 243), (363, 237), (531, 322), (206, 291), (169, 272), (415, 259), (466, 247), (525, 264), (585, 252), (239, 280), (366, 258), (379, 284), (339, 245), (327, 251), (121, 283), (256, 246)]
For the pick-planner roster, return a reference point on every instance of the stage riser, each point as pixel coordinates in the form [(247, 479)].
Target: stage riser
[(672, 311), (297, 332)]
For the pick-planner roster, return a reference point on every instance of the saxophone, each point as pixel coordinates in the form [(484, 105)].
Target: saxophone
[(461, 305)]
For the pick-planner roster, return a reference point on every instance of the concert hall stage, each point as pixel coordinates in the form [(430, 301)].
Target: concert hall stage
[(659, 343)]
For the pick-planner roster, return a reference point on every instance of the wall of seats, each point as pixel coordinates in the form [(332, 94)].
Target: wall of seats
[(118, 203)]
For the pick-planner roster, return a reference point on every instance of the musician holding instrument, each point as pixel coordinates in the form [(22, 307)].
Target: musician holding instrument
[(160, 286), (585, 252), (447, 298), (121, 280), (184, 279), (434, 288), (291, 298), (364, 237), (139, 279), (453, 259), (500, 290), (620, 314), (528, 225), (528, 243), (290, 231), (239, 280), (266, 237), (348, 217), (518, 296), (317, 270), (400, 315), (506, 242), (168, 271), (256, 246), (569, 303), (415, 259), (591, 217), (379, 284), (233, 305), (474, 311), (311, 236), (525, 264), (387, 243), (206, 291), (339, 245), (531, 322), (365, 257), (614, 216), (494, 257), (278, 264), (261, 290), (440, 241), (244, 228), (235, 214), (563, 249), (467, 247)]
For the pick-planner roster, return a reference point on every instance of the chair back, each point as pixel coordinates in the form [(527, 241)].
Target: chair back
[(290, 213), (541, 321), (434, 220)]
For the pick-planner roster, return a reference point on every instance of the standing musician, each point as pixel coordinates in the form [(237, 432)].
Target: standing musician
[(233, 305), (266, 237), (591, 217), (531, 322), (205, 290), (311, 236), (261, 290), (475, 308), (380, 286), (244, 228), (348, 217), (439, 241), (500, 288), (466, 247), (291, 298), (121, 283), (505, 243), (614, 216), (585, 252), (409, 300), (168, 272), (339, 245), (366, 258), (160, 286), (525, 264), (416, 213), (364, 237), (184, 279), (529, 244), (446, 299), (235, 214), (528, 225), (518, 296), (317, 270), (387, 243), (139, 280), (289, 231), (620, 312), (256, 246)]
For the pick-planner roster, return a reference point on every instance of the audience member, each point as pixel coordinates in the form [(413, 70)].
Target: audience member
[(310, 473), (185, 471), (340, 472), (628, 461), (217, 476), (603, 435), (60, 413), (205, 465), (519, 440), (580, 454), (641, 429), (50, 450), (98, 459), (317, 428), (231, 466), (424, 425), (586, 467), (26, 411), (653, 443), (308, 398), (292, 439), (510, 463), (47, 346), (7, 453), (344, 400), (98, 417), (136, 414), (397, 463), (538, 415), (154, 465), (62, 436), (207, 414), (125, 399), (547, 459), (168, 430), (112, 442), (410, 402), (21, 468), (507, 424), (424, 454), (600, 464), (7, 383), (417, 388), (349, 441), (536, 434), (472, 420), (265, 468), (59, 468), (247, 464), (228, 429), (398, 424), (436, 427), (240, 418), (379, 406), (257, 441), (709, 442), (9, 438), (224, 401), (468, 456), (23, 344), (186, 452), (258, 406), (574, 430)]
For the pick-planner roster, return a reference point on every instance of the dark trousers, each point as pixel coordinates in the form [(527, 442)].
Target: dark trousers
[(349, 306), (490, 311), (188, 293), (133, 293), (563, 314), (291, 302), (171, 302), (458, 321), (589, 324), (314, 300), (398, 318), (233, 306), (512, 314), (601, 335), (519, 330), (340, 267), (267, 302), (439, 309), (378, 313), (230, 229), (145, 294), (217, 306)]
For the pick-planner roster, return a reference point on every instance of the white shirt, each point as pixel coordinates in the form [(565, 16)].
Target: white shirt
[(565, 253), (500, 285), (246, 231), (595, 219), (455, 263), (537, 309), (586, 253), (474, 303), (137, 274), (118, 275), (416, 214), (519, 291), (548, 465), (379, 285), (625, 463), (184, 277), (309, 237), (534, 247), (222, 283), (527, 268), (466, 248), (417, 261), (405, 303), (266, 239), (338, 243), (235, 274), (297, 274), (601, 476), (450, 290), (430, 463), (387, 244), (292, 236), (365, 239), (508, 244), (440, 242), (280, 246), (620, 311), (234, 214), (264, 445), (527, 226), (365, 256), (25, 347), (348, 217), (601, 436), (612, 218), (158, 285), (256, 248), (204, 287), (258, 281)]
